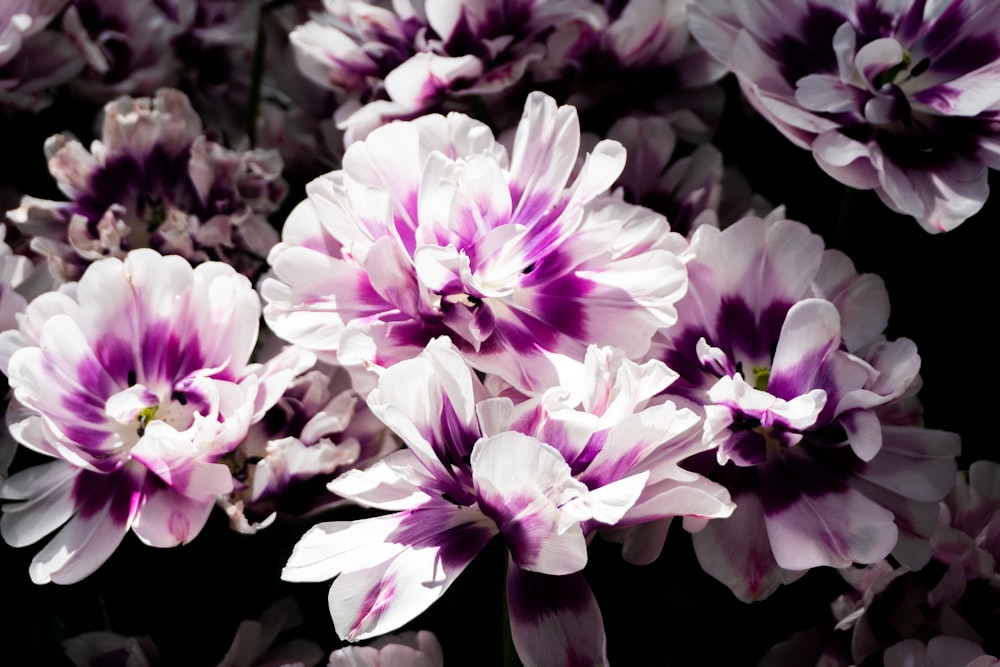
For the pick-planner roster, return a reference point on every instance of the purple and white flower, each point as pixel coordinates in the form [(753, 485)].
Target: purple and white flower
[(154, 180), (782, 342), (136, 381), (542, 474), (430, 229), (316, 429), (401, 63), (899, 97)]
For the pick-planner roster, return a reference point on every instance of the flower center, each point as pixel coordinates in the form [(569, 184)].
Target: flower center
[(145, 416), (893, 74), (761, 376)]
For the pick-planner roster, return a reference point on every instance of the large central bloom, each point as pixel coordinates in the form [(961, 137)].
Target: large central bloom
[(429, 230)]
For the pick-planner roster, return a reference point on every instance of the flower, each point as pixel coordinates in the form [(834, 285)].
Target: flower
[(429, 230), (136, 381), (541, 474), (317, 428), (403, 63), (154, 180), (781, 342), (897, 97)]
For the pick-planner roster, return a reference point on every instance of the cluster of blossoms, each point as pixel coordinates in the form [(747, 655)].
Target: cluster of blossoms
[(479, 334), (415, 57)]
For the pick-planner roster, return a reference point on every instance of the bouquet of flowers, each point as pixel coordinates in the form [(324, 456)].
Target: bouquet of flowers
[(523, 332)]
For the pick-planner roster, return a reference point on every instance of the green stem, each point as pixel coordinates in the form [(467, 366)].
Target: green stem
[(256, 77), (510, 658), (845, 219)]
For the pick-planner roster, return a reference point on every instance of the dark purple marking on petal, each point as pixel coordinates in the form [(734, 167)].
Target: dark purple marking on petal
[(453, 443), (88, 408), (891, 106), (520, 532), (410, 335), (873, 23), (562, 304), (458, 543), (512, 338), (808, 373), (502, 19), (951, 56), (536, 593), (810, 49), (742, 334), (547, 268), (484, 321), (140, 182), (90, 439), (461, 543), (499, 508), (805, 470), (186, 393), (168, 359), (545, 234), (118, 358), (92, 375), (682, 357), (932, 144), (560, 611), (745, 447), (579, 464), (117, 493), (534, 212), (910, 24), (368, 299)]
